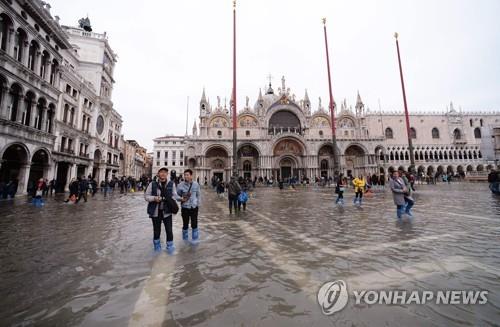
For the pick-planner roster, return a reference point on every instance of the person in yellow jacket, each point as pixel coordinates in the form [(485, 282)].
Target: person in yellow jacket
[(359, 188)]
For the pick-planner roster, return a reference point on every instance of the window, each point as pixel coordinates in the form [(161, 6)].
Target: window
[(388, 133), (157, 163), (470, 122), (166, 154), (477, 133), (181, 164), (413, 133), (182, 155), (166, 163), (321, 134), (157, 154), (219, 134), (66, 112), (435, 133), (173, 163), (247, 133), (174, 155), (481, 122), (68, 89), (457, 134)]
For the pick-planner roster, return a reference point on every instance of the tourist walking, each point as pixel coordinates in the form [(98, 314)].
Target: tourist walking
[(359, 188), (340, 189), (161, 196), (233, 191), (243, 196), (190, 193), (74, 187), (83, 188), (399, 189)]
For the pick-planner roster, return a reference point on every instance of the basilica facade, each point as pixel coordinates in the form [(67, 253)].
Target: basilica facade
[(281, 136)]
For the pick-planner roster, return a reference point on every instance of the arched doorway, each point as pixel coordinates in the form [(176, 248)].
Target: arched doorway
[(248, 160), (288, 153), (39, 167), (218, 161), (15, 166), (325, 157), (355, 160), (287, 166)]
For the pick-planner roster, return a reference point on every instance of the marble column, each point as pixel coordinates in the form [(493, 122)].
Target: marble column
[(24, 174)]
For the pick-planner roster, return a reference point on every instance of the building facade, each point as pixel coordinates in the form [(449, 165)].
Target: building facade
[(136, 163), (281, 136), (168, 151), (56, 115)]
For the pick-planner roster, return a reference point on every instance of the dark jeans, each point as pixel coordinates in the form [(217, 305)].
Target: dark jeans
[(359, 194), (242, 203), (167, 221), (233, 202), (189, 214), (409, 204), (82, 195)]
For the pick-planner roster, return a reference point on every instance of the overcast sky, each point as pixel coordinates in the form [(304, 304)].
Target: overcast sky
[(169, 50)]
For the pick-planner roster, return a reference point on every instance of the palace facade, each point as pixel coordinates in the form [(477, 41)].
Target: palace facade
[(282, 136)]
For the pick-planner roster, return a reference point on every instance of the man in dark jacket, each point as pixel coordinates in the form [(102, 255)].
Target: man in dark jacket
[(233, 190), (83, 186)]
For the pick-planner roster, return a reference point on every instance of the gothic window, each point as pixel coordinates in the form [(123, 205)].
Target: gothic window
[(457, 134), (477, 133), (388, 133), (435, 133), (413, 133)]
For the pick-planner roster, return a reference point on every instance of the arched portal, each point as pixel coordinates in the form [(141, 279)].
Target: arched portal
[(291, 150), (218, 162), (355, 158), (248, 160), (39, 168), (15, 161), (325, 158)]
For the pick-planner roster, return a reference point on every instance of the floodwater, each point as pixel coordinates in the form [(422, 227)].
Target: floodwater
[(92, 264)]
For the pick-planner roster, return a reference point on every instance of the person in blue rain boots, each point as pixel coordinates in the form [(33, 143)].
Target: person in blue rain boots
[(409, 201), (161, 196), (398, 188), (190, 193)]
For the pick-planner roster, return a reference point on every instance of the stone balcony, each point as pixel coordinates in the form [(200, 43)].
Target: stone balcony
[(26, 133)]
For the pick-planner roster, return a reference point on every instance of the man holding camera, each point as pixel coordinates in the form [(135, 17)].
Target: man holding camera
[(159, 195), (189, 191)]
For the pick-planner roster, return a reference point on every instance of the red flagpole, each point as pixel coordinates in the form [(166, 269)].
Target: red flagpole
[(235, 173), (410, 142), (336, 161)]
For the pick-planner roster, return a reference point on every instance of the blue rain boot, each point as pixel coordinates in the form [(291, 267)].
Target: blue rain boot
[(195, 235), (157, 245), (185, 234), (170, 247)]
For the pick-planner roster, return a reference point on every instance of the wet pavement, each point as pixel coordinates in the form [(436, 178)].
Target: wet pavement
[(92, 264)]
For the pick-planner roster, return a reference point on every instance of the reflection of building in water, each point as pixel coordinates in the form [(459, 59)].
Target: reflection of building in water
[(282, 137)]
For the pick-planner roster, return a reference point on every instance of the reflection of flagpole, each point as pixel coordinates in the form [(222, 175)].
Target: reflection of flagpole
[(235, 173), (336, 161), (410, 143)]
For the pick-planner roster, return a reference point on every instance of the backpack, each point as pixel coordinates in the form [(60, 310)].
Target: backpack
[(243, 197)]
